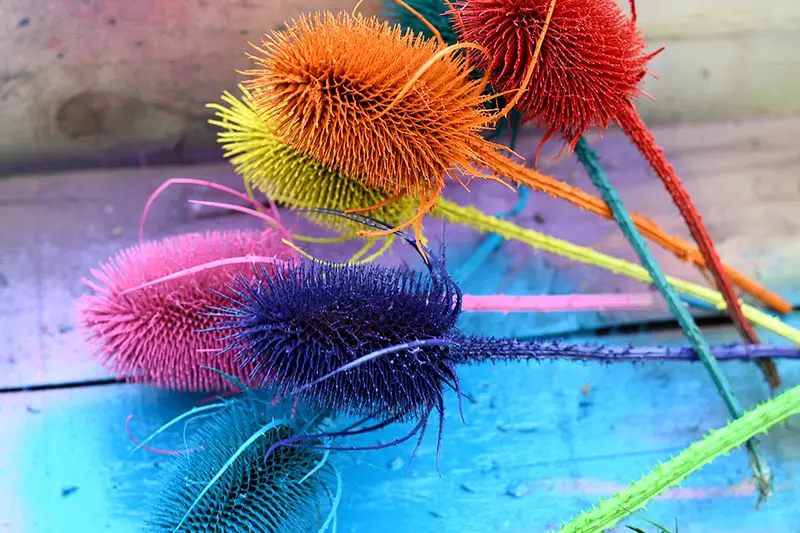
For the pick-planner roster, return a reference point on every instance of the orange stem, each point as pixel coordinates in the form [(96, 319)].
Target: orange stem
[(503, 166)]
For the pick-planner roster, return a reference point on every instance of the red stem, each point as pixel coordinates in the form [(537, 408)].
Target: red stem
[(641, 136)]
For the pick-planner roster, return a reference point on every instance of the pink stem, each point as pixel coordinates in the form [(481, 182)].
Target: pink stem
[(245, 210), (502, 303)]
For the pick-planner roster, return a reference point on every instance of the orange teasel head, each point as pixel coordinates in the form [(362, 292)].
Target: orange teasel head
[(393, 110)]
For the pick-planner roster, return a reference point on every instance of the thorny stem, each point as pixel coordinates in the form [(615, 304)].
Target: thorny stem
[(637, 131), (588, 159), (608, 513)]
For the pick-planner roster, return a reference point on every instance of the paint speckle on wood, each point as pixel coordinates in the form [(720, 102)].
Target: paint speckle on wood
[(68, 491)]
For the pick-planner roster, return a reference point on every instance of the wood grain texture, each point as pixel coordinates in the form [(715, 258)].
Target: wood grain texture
[(743, 177), (722, 59), (117, 77), (88, 80), (542, 442)]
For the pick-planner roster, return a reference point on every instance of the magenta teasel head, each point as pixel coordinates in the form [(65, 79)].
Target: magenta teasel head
[(155, 333)]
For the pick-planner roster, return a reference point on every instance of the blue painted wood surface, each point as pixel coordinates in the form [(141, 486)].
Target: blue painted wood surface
[(542, 442)]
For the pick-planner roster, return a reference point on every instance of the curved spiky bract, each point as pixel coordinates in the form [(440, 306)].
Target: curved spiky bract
[(305, 320), (590, 65), (289, 176), (154, 334), (436, 12), (331, 87), (275, 495)]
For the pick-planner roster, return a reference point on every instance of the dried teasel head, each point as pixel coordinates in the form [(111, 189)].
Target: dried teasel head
[(224, 483), (393, 110), (590, 63), (330, 86), (287, 175), (162, 334)]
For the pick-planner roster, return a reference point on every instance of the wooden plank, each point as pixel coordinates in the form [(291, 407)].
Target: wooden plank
[(118, 78), (542, 442), (124, 77), (722, 59), (54, 228)]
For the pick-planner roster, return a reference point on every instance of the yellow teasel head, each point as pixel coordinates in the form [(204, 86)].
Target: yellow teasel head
[(274, 168)]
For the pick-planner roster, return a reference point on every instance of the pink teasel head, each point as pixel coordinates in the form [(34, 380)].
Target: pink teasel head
[(154, 333)]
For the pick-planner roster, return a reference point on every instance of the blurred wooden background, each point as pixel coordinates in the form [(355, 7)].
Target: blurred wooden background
[(91, 82)]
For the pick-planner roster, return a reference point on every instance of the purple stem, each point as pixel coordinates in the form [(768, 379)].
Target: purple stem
[(478, 349)]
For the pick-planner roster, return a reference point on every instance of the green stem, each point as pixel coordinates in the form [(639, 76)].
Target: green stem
[(716, 443)]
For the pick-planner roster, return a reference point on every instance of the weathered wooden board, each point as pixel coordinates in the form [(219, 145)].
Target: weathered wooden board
[(542, 442), (54, 228), (114, 78)]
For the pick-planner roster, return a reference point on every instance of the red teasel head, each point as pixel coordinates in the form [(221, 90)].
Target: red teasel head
[(163, 333), (590, 64)]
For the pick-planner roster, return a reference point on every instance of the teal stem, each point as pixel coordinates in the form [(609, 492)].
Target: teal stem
[(493, 241), (589, 159)]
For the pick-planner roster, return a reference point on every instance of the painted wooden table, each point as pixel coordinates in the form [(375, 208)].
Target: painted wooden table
[(542, 441)]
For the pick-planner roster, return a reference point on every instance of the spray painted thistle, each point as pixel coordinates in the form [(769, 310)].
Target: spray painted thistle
[(161, 334), (590, 65), (225, 484)]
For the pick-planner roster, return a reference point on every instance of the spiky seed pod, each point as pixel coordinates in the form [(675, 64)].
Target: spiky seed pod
[(253, 495), (329, 86), (306, 319), (289, 176), (590, 64), (154, 334)]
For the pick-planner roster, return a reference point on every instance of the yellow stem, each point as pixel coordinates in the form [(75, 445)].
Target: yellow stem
[(474, 218)]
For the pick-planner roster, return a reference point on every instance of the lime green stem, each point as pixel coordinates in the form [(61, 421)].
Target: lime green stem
[(609, 512)]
